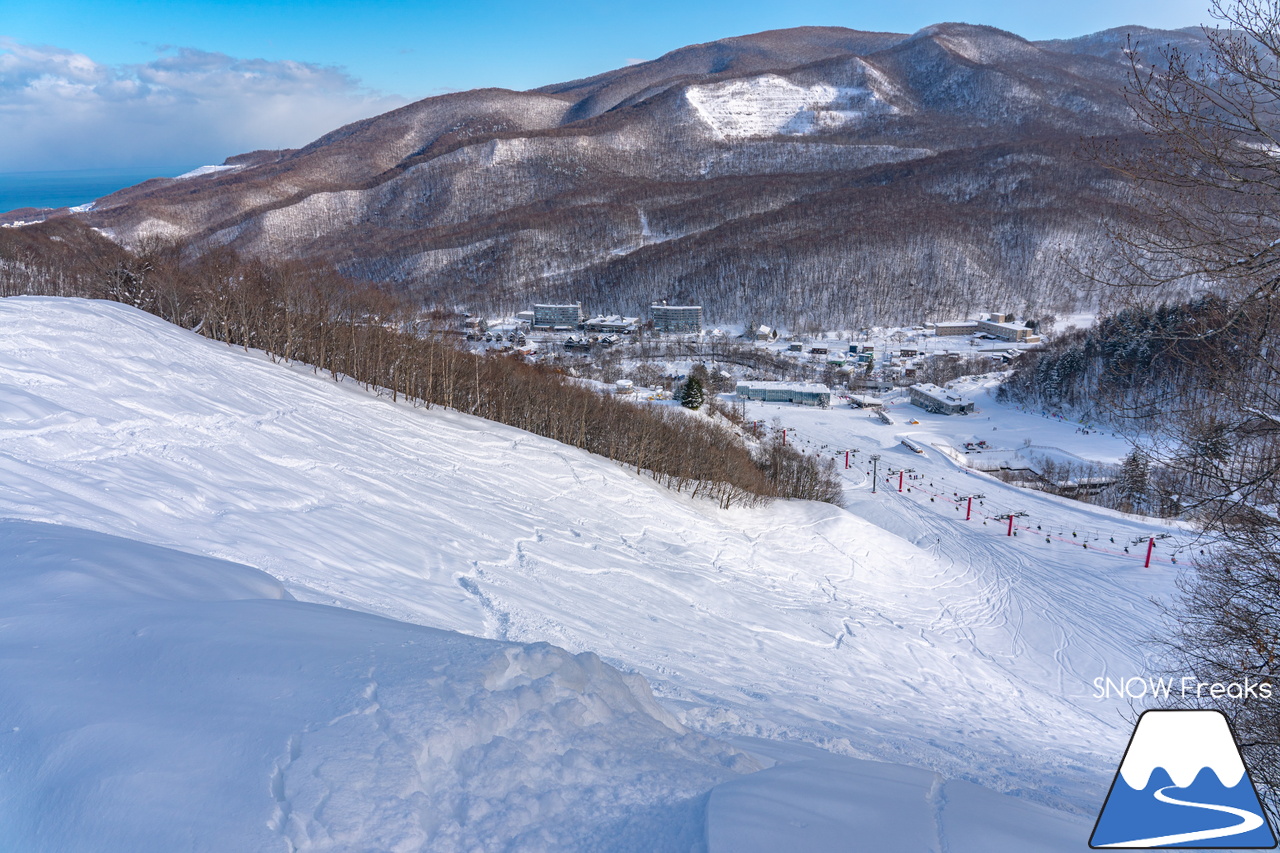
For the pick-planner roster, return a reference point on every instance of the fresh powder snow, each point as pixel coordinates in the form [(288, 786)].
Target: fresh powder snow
[(156, 701), (884, 659)]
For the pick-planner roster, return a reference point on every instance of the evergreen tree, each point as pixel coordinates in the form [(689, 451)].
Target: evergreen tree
[(1134, 485), (691, 396)]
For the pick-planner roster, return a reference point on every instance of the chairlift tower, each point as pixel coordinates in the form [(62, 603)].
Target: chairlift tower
[(968, 512), (1151, 546), (1011, 516)]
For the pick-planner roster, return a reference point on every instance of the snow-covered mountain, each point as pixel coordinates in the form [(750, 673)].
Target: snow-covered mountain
[(328, 614), (789, 175)]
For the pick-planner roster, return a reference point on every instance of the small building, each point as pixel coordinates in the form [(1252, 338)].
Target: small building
[(613, 324), (563, 317), (624, 386), (764, 333), (953, 328), (865, 401), (940, 401), (1006, 331), (525, 317), (677, 319), (1082, 486), (804, 393)]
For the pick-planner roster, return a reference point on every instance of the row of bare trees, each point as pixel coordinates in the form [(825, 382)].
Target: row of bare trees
[(1200, 377), (378, 338)]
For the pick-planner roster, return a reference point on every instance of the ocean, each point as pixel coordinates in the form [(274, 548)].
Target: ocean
[(70, 188)]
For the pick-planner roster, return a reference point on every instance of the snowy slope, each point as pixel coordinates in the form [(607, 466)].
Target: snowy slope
[(768, 104), (822, 804), (861, 632), (158, 701)]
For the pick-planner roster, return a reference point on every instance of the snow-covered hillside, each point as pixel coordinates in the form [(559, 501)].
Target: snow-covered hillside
[(800, 633), (769, 104), (780, 166)]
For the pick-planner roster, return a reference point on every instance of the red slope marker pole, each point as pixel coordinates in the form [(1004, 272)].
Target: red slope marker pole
[(1010, 533), (968, 512), (846, 460), (1151, 546), (900, 475)]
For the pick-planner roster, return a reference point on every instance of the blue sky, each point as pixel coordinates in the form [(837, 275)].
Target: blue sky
[(142, 83)]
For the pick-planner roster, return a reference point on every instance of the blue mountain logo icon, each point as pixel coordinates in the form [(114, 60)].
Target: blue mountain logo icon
[(1182, 783)]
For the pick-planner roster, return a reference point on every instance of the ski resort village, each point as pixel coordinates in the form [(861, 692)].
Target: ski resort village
[(298, 590), (821, 440)]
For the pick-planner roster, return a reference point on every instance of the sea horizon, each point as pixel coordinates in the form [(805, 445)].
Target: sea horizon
[(72, 187)]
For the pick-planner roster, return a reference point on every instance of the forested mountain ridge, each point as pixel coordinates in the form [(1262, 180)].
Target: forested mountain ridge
[(813, 176)]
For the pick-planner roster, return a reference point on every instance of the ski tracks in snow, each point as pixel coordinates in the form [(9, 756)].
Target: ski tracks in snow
[(936, 799)]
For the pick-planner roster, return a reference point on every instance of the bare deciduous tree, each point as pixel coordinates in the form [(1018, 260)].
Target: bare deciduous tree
[(1209, 182)]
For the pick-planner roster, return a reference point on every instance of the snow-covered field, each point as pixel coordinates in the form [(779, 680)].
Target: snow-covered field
[(901, 676)]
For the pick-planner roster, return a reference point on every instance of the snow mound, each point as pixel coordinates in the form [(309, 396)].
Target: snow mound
[(159, 701)]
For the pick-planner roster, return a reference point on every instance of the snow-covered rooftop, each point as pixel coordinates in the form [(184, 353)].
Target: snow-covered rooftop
[(939, 393), (808, 387)]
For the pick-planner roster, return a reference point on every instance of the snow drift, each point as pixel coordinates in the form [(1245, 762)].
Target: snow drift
[(158, 701)]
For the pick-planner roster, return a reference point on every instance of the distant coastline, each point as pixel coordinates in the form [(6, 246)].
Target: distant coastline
[(74, 187)]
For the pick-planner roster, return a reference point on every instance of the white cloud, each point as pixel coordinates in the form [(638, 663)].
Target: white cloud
[(62, 110)]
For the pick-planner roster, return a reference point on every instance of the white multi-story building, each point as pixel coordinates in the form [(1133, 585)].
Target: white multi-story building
[(677, 319), (557, 316)]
